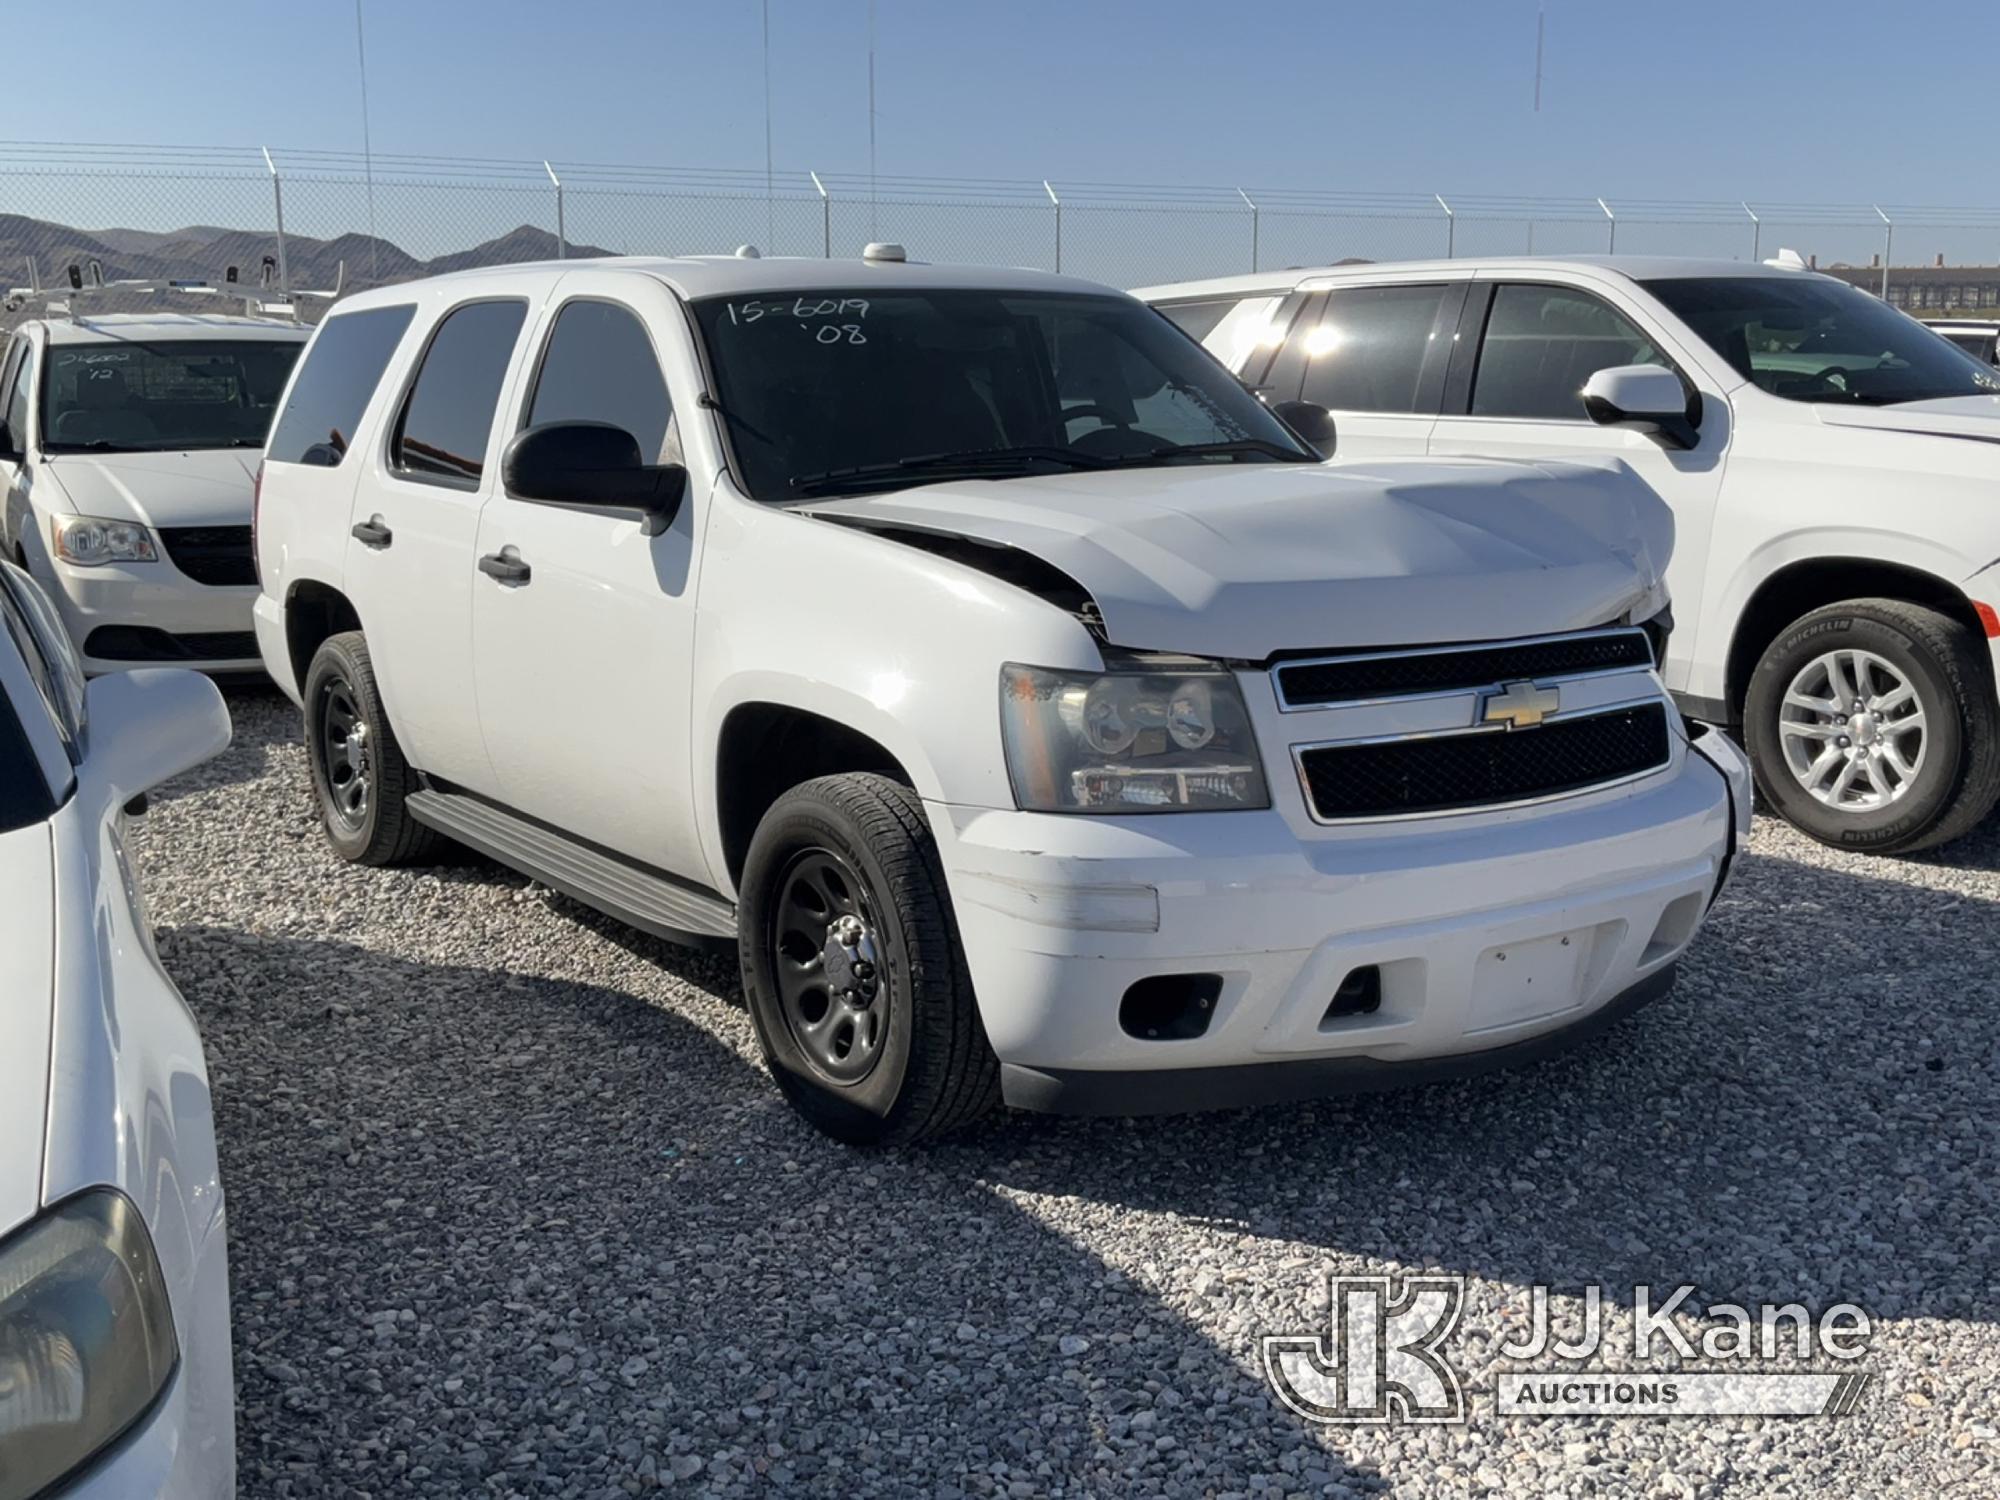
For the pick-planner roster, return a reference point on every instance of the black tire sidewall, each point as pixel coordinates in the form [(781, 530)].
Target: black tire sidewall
[(1906, 821), (337, 658), (868, 1110)]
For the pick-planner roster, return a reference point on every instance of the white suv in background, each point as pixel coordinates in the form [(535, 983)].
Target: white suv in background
[(128, 443), (1833, 469), (1038, 716)]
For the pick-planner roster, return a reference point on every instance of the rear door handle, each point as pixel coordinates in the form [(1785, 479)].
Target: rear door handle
[(505, 566), (372, 533)]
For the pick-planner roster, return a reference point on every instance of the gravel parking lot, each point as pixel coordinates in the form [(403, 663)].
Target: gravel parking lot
[(517, 1213)]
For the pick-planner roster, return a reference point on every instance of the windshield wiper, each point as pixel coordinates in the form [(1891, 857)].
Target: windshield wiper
[(1231, 448), (975, 463)]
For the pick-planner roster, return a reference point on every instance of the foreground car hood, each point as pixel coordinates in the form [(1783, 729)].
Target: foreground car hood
[(1247, 561), (210, 487), (1976, 417), (27, 938)]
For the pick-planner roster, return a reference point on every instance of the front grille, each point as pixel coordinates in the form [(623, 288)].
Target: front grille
[(1453, 772), (144, 643), (1345, 679), (215, 555)]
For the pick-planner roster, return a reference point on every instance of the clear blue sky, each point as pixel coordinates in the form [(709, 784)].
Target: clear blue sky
[(1691, 99)]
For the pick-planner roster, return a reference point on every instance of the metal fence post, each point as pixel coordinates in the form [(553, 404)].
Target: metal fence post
[(1450, 227), (1611, 244), (1058, 203), (562, 232), (825, 217), (1756, 233), (1254, 217), (278, 207), (1888, 247)]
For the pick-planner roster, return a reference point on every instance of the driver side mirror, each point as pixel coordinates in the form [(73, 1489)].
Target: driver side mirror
[(1645, 398), (10, 446), (147, 726), (593, 466), (1310, 422)]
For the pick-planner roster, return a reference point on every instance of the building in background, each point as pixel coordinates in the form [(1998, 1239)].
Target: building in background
[(1932, 290)]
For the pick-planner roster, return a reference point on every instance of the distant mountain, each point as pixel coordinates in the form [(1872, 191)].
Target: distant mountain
[(202, 252)]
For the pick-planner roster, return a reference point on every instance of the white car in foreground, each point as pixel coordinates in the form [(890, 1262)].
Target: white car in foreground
[(128, 446), (1833, 469), (114, 1292), (1036, 714)]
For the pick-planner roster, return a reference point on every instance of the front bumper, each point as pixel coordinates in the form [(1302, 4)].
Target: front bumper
[(1487, 933), (151, 614)]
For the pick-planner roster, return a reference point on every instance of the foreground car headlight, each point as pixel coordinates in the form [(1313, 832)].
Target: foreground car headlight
[(1155, 740), (86, 1338), (88, 541)]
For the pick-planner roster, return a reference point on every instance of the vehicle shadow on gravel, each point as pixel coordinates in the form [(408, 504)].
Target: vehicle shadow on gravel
[(1808, 1117), (521, 1235)]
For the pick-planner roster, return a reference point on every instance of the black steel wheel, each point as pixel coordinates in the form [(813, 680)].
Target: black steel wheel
[(852, 966), (359, 775)]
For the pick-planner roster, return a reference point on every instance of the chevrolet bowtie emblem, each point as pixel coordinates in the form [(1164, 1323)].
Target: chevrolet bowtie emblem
[(1518, 705)]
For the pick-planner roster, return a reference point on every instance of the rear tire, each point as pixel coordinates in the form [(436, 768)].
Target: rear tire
[(359, 775), (1910, 782), (853, 970)]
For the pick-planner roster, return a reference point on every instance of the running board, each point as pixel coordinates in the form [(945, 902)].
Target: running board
[(636, 896)]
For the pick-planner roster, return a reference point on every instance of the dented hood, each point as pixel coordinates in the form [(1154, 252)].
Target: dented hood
[(1250, 560)]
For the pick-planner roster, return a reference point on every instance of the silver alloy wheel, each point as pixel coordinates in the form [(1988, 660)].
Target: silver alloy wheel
[(1853, 731)]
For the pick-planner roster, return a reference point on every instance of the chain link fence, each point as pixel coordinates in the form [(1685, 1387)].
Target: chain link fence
[(309, 220)]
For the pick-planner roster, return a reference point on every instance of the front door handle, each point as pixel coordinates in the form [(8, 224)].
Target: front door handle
[(505, 566), (372, 533)]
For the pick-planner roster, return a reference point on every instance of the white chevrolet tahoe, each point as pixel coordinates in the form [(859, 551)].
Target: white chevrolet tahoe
[(127, 447), (1034, 711), (1831, 465)]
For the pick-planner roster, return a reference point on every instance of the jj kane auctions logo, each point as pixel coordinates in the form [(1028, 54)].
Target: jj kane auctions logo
[(1383, 1357)]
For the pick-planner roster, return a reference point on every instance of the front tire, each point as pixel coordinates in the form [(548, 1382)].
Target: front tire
[(359, 775), (852, 967), (1872, 725)]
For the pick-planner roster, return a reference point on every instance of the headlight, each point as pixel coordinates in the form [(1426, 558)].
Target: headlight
[(86, 1338), (89, 541), (1129, 741)]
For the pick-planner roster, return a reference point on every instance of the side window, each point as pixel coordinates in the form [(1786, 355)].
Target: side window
[(333, 386), (1542, 343), (1197, 319), (599, 366), (15, 413), (45, 646), (1367, 352), (448, 415)]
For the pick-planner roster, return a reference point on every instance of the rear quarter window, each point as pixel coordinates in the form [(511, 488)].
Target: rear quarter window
[(340, 373)]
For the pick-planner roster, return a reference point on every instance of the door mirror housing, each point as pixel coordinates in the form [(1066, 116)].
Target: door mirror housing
[(1310, 422), (593, 466), (1645, 398), (147, 726)]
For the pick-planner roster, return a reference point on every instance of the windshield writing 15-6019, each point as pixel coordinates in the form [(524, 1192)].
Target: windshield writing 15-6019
[(840, 391)]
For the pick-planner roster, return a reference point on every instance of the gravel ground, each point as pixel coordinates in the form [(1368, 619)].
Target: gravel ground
[(517, 1213)]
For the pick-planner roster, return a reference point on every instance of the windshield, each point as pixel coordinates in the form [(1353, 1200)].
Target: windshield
[(181, 393), (1809, 338), (851, 391)]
